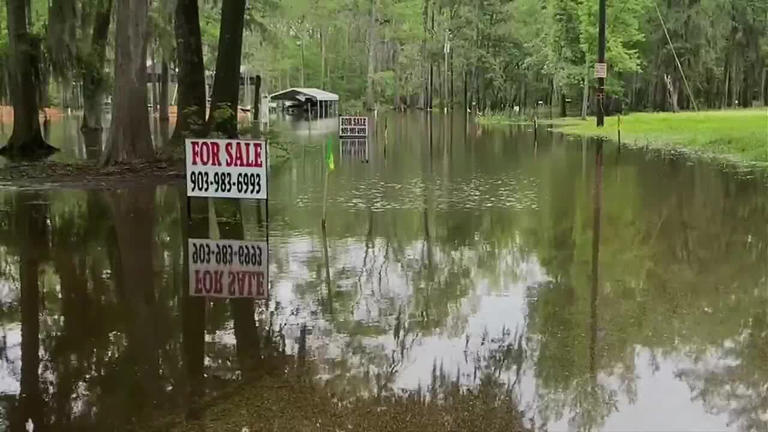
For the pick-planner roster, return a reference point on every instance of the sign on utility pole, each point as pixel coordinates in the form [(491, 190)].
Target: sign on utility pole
[(601, 70), (601, 61)]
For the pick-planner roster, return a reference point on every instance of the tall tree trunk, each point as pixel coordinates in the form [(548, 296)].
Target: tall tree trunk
[(62, 38), (226, 84), (396, 98), (322, 58), (301, 45), (585, 94), (155, 87), (369, 102), (466, 91), (129, 136), (164, 116), (26, 141), (671, 93), (93, 73), (190, 110), (256, 108)]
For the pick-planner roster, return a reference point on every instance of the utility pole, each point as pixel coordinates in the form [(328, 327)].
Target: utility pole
[(601, 61)]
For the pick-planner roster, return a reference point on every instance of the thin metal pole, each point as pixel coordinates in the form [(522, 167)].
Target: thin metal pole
[(679, 66), (325, 195), (266, 219)]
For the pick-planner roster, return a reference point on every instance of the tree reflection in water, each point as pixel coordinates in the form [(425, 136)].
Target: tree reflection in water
[(677, 272)]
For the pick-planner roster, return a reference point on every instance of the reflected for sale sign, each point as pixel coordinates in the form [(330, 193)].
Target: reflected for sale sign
[(226, 168), (228, 268)]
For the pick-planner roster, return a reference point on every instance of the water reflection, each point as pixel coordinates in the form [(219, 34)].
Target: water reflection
[(596, 291)]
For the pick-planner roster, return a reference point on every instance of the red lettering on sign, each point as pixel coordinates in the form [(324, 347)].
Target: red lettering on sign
[(207, 282), (231, 286), (248, 160), (238, 155), (228, 151), (260, 284), (198, 282), (215, 160), (218, 285), (205, 153), (195, 152), (257, 155)]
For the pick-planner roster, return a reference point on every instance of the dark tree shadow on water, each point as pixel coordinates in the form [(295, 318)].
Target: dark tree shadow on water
[(31, 227)]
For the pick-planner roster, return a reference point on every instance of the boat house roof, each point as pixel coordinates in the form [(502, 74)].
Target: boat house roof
[(304, 94)]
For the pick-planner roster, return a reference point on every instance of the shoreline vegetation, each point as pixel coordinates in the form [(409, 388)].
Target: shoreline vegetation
[(738, 135), (261, 404)]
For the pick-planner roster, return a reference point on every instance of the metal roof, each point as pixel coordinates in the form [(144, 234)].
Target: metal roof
[(302, 94)]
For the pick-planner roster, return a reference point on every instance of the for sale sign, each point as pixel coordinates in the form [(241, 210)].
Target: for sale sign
[(226, 168), (228, 269), (353, 126)]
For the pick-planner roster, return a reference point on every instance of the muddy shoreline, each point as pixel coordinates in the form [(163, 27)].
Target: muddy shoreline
[(89, 175)]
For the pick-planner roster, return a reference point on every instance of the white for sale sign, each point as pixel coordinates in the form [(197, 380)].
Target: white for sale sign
[(226, 168), (601, 70), (228, 269), (353, 126)]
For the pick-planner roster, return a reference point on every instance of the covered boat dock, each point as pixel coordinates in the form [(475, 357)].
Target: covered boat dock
[(317, 103)]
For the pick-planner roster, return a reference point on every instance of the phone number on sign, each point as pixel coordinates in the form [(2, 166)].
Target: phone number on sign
[(224, 254), (224, 182)]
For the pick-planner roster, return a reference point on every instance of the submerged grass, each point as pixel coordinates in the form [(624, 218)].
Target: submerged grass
[(293, 404), (502, 119), (737, 135)]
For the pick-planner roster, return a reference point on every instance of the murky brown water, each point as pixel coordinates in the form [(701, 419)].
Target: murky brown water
[(465, 252)]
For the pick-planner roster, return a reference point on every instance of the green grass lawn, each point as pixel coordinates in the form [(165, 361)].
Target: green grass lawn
[(738, 135)]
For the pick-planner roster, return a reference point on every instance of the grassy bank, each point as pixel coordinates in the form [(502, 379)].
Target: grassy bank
[(737, 135)]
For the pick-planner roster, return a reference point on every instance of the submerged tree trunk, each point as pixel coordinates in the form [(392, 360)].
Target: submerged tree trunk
[(164, 91), (190, 111), (155, 88), (671, 93), (93, 74), (226, 84), (322, 58), (585, 95), (26, 141), (369, 102), (129, 136)]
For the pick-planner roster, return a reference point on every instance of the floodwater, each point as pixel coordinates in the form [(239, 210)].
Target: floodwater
[(608, 288)]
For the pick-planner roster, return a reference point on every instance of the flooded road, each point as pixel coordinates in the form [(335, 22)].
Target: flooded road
[(608, 289)]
